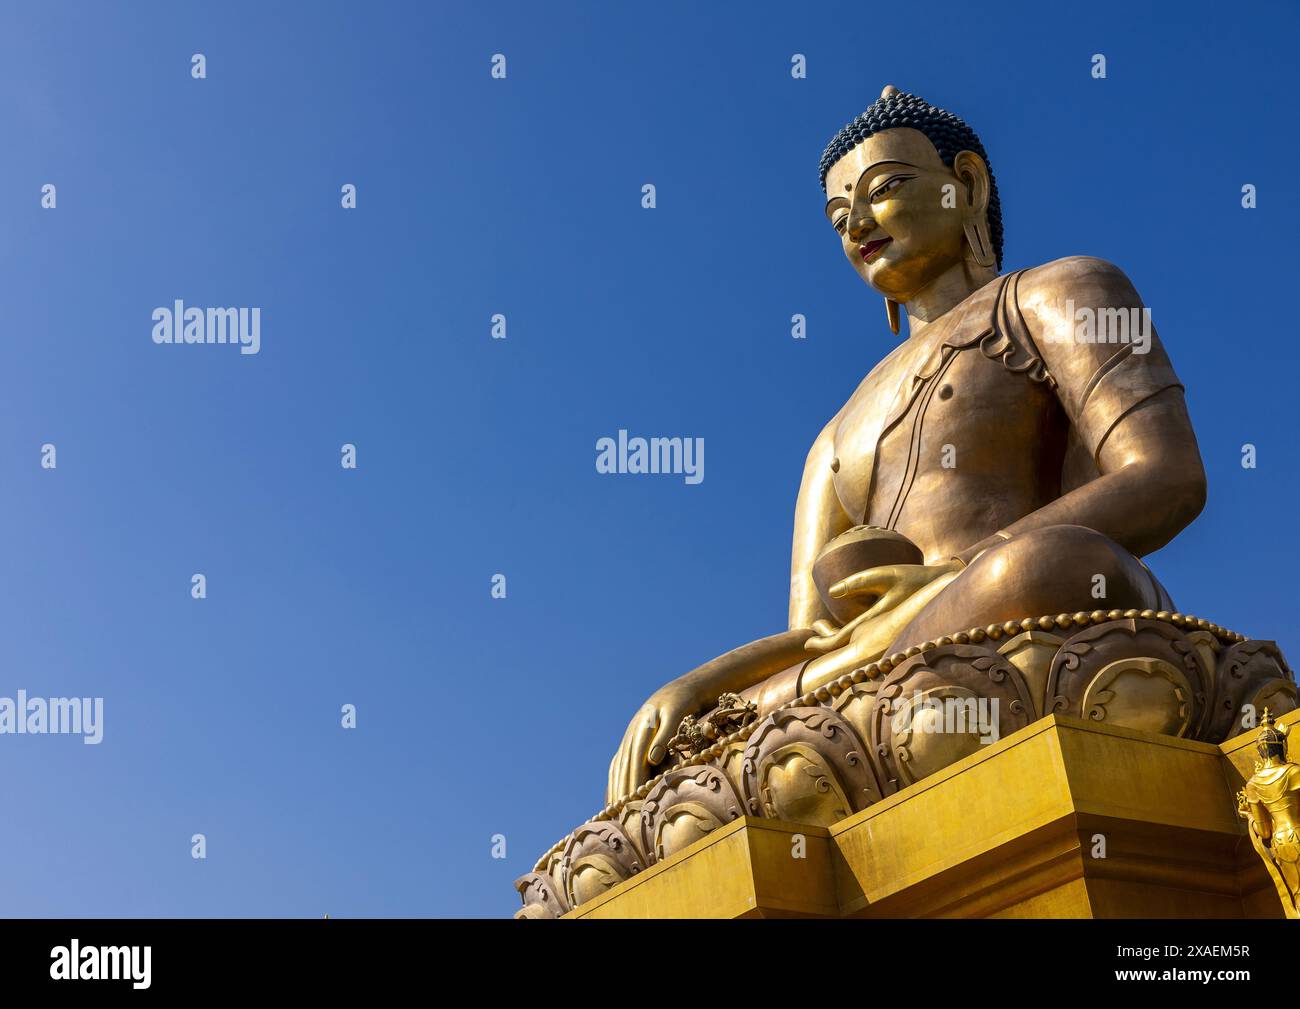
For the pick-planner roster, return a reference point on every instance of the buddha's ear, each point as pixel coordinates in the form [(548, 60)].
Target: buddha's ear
[(971, 171), (969, 167)]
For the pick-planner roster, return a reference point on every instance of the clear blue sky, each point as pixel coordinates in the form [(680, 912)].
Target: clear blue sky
[(519, 196)]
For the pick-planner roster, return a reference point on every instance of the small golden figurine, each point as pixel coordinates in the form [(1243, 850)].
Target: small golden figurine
[(696, 735), (1270, 803)]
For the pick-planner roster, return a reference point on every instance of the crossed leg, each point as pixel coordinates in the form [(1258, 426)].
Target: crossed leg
[(1056, 569)]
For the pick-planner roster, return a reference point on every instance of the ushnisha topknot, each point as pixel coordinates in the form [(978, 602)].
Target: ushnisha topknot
[(950, 136)]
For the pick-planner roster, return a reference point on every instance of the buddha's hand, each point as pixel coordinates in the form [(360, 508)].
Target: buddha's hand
[(646, 741), (888, 587)]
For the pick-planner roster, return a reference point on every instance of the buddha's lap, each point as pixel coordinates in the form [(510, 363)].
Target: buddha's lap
[(1055, 569)]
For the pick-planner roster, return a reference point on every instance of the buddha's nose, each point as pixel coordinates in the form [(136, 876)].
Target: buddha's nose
[(860, 227)]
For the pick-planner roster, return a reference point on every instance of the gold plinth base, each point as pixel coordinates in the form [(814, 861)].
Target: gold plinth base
[(1063, 819)]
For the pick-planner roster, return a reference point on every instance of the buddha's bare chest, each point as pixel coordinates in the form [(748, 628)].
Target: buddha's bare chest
[(929, 426)]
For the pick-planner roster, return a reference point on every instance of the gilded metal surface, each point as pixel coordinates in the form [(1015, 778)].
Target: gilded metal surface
[(1270, 803), (1004, 464), (684, 806), (695, 735), (1011, 831), (994, 464), (598, 855), (859, 754)]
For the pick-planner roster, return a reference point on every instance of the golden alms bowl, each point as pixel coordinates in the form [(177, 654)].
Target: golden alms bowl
[(860, 548)]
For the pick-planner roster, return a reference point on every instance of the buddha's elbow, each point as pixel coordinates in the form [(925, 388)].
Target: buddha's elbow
[(1197, 495), (1167, 495), (1182, 486)]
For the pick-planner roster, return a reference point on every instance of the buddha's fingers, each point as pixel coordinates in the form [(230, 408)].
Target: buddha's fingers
[(618, 769), (837, 638), (611, 787), (870, 581), (887, 602), (872, 635), (635, 769), (659, 745)]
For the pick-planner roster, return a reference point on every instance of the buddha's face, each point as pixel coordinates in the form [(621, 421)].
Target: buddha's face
[(899, 225)]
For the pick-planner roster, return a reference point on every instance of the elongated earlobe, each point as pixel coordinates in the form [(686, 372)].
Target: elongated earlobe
[(978, 241), (973, 173), (891, 313)]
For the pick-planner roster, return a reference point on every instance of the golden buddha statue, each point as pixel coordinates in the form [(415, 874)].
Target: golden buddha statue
[(1270, 803), (967, 542), (1003, 460)]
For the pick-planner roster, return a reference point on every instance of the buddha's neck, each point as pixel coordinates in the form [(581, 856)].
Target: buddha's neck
[(950, 288)]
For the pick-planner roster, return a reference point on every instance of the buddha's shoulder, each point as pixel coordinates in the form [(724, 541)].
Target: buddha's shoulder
[(1087, 276)]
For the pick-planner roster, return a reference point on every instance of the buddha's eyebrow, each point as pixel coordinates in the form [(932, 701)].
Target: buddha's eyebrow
[(832, 203), (871, 168)]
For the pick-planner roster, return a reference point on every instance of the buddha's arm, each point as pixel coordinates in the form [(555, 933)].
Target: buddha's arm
[(1126, 406), (818, 519), (1152, 483)]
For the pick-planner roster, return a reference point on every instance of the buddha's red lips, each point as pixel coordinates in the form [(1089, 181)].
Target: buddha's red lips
[(871, 248)]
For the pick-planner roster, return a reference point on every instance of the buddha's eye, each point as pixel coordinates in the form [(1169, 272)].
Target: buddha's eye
[(889, 186), (839, 222)]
